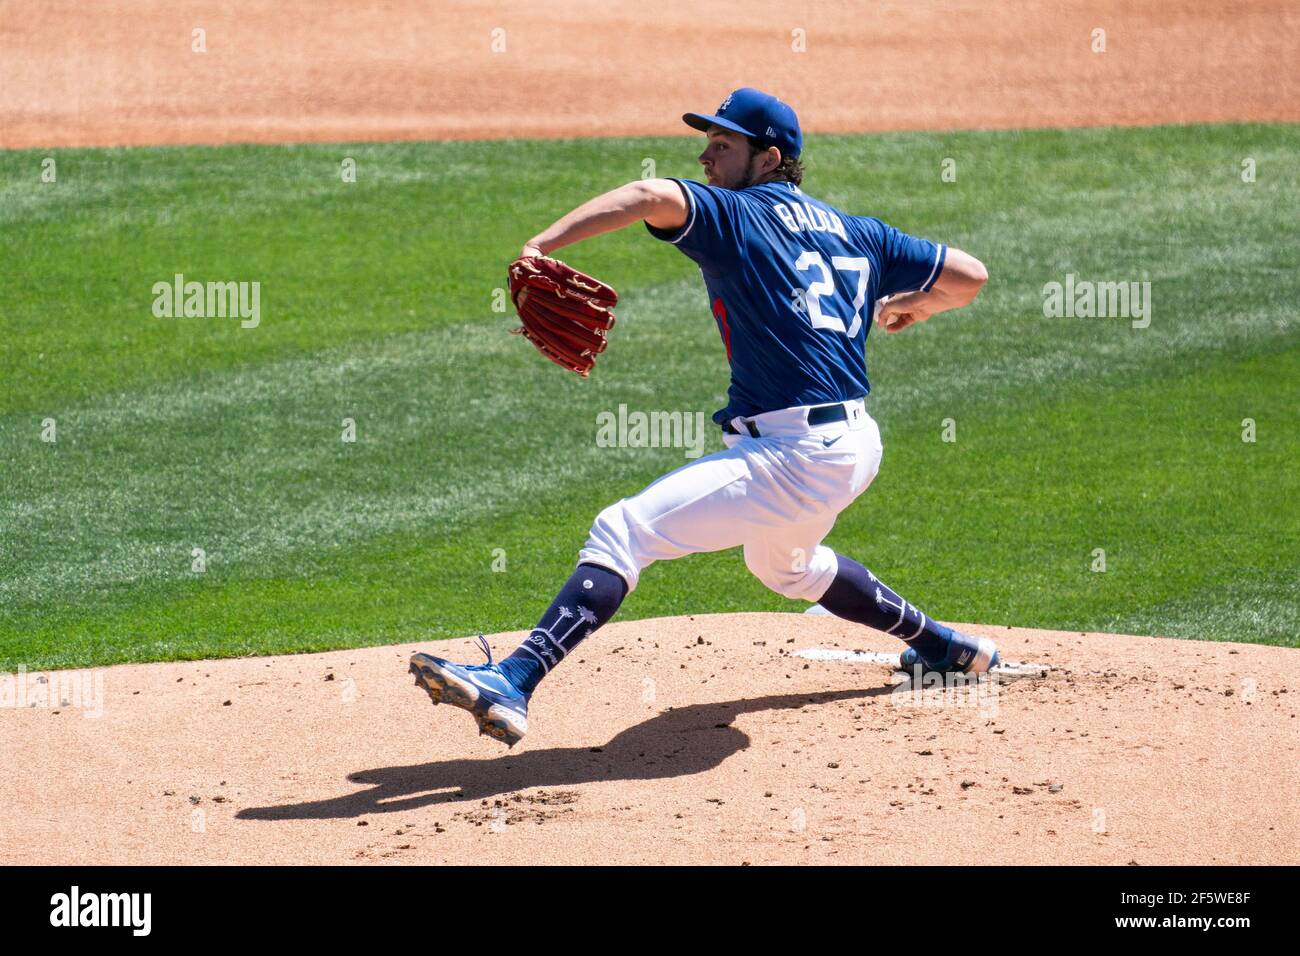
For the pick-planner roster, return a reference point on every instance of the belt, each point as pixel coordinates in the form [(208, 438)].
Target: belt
[(817, 415)]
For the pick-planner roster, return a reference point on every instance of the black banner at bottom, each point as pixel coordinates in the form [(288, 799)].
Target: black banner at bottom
[(226, 905)]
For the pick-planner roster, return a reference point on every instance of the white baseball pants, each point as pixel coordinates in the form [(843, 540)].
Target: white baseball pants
[(777, 495)]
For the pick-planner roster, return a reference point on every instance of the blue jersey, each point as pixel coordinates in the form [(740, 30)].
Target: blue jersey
[(793, 284)]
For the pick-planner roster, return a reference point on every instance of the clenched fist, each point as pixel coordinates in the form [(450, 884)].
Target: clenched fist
[(896, 312)]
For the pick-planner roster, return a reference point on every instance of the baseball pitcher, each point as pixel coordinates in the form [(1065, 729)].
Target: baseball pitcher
[(793, 284)]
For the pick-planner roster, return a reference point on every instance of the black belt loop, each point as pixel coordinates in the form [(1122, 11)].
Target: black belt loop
[(749, 427), (825, 414)]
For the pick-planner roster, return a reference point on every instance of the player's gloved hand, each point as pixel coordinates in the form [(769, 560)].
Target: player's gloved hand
[(565, 313), (896, 312)]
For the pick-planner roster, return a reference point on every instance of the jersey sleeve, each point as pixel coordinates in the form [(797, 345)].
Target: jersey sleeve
[(714, 231), (908, 264)]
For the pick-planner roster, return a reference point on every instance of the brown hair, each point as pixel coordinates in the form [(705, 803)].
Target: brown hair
[(790, 169)]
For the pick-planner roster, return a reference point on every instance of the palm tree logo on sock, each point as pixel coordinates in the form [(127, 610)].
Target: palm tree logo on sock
[(902, 615), (901, 608), (584, 616)]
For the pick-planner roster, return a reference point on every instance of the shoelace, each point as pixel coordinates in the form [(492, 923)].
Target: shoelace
[(487, 649)]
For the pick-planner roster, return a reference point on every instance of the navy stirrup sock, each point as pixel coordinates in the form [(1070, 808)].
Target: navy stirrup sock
[(588, 599), (858, 595)]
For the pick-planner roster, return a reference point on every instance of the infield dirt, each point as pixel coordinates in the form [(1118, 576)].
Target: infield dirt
[(676, 740), (127, 73)]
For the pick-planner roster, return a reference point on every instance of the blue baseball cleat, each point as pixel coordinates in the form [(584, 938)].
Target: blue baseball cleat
[(966, 655), (483, 689)]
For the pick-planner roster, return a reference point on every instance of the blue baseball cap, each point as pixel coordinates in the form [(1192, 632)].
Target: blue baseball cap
[(755, 114)]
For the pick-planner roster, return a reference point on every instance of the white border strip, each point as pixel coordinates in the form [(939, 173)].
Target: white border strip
[(690, 221), (938, 257)]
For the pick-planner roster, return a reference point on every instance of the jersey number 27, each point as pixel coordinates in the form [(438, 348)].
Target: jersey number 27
[(810, 261)]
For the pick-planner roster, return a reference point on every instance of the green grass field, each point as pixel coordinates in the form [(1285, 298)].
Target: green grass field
[(377, 304)]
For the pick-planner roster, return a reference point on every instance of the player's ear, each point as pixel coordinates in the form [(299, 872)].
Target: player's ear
[(771, 159)]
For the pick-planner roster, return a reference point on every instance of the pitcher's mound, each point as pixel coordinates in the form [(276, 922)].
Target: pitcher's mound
[(699, 739)]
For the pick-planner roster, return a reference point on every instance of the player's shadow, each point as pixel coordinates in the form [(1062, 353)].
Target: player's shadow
[(675, 743)]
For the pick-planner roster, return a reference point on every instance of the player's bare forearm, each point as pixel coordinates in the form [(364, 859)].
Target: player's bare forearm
[(657, 201), (960, 281)]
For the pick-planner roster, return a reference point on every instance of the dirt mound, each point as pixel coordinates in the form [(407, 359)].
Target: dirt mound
[(123, 73), (689, 739)]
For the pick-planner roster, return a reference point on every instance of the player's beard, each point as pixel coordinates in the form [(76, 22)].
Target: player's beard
[(747, 179)]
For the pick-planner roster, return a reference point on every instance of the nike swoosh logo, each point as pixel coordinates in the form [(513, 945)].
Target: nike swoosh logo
[(491, 683), (827, 442)]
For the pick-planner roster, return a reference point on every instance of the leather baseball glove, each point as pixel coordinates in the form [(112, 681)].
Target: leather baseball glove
[(565, 313)]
